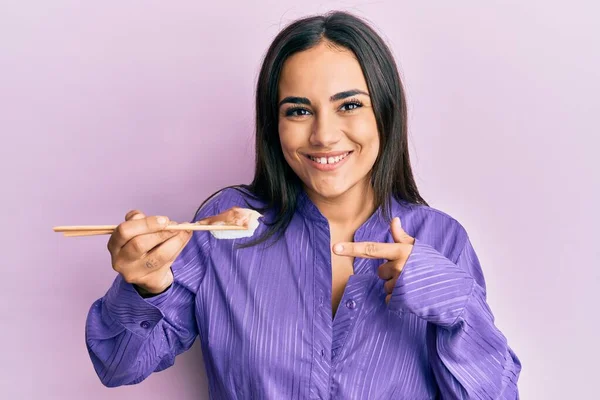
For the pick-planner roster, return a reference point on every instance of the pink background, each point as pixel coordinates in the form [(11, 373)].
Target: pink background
[(114, 105)]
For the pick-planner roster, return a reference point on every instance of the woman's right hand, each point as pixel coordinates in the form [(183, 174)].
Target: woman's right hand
[(142, 251)]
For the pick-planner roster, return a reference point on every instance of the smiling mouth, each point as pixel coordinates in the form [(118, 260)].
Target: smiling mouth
[(328, 160)]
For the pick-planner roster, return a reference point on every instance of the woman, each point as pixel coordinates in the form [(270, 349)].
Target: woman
[(351, 288)]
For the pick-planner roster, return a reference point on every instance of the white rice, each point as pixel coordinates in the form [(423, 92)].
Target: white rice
[(253, 223)]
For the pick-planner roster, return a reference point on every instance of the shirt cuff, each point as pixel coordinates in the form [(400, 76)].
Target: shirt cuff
[(431, 286), (127, 307)]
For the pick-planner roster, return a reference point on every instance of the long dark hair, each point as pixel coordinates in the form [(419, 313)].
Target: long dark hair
[(275, 183)]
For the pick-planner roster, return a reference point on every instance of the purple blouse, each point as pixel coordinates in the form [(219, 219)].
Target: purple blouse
[(264, 317)]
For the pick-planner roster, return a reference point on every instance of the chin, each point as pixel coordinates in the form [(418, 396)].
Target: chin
[(330, 192)]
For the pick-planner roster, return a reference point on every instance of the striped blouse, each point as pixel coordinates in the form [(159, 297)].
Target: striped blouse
[(264, 316)]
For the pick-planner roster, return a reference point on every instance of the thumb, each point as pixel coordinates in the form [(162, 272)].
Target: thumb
[(399, 235)]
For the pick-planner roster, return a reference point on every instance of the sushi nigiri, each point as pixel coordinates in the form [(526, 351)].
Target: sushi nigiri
[(251, 216)]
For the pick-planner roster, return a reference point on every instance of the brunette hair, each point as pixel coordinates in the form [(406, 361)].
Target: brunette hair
[(275, 183)]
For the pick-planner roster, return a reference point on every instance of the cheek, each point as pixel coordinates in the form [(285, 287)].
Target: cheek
[(285, 138), (289, 147), (364, 133), (291, 138)]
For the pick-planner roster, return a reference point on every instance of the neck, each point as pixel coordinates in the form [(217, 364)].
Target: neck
[(349, 210)]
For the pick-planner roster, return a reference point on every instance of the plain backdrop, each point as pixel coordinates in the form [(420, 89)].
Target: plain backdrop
[(114, 105)]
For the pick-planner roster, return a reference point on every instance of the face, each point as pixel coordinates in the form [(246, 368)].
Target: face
[(327, 127)]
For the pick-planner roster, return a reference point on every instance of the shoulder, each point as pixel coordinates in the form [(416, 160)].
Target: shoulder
[(432, 226)]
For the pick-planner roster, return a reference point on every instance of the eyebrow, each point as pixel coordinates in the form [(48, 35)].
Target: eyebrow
[(335, 97)]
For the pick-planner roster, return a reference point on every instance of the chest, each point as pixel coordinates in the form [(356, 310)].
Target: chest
[(264, 318), (341, 269)]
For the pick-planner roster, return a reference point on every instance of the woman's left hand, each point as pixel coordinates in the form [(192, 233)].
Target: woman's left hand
[(396, 253)]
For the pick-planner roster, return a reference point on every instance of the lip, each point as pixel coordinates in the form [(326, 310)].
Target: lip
[(330, 154), (327, 167)]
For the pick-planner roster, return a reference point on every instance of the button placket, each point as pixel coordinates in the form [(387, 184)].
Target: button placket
[(322, 337), (350, 311)]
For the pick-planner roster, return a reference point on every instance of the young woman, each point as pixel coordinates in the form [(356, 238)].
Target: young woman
[(352, 287)]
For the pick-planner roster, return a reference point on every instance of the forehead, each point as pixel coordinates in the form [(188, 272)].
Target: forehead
[(321, 71)]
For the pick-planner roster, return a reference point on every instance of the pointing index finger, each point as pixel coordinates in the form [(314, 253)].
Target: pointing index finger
[(388, 251)]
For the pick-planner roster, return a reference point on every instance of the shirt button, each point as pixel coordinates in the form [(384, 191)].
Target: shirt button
[(145, 324), (322, 353), (351, 304)]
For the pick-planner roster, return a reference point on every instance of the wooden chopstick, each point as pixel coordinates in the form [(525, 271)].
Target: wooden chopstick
[(86, 233), (92, 230)]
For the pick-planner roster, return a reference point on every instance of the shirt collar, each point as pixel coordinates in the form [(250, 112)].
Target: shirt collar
[(308, 209)]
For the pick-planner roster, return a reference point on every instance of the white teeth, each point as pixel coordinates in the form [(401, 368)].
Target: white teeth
[(330, 160)]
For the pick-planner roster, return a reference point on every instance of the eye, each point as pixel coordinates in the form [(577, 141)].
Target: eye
[(296, 112), (351, 105)]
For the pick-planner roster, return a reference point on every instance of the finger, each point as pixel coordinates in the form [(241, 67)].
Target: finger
[(388, 270), (388, 251), (387, 298), (167, 252), (398, 233), (137, 247), (134, 214), (134, 227), (390, 284)]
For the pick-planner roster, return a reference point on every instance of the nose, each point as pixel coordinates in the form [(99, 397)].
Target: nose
[(324, 131)]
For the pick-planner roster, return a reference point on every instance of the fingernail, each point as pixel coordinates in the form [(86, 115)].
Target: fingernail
[(338, 248), (161, 220)]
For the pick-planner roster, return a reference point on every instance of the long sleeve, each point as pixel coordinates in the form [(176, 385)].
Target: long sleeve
[(469, 356), (128, 337)]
